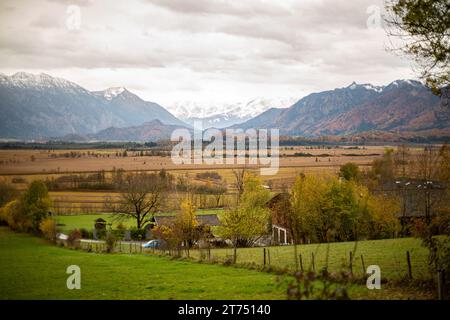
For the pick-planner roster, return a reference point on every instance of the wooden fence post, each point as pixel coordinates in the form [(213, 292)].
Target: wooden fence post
[(301, 262), (441, 284), (363, 265), (312, 262), (268, 256), (264, 255), (351, 262), (408, 260)]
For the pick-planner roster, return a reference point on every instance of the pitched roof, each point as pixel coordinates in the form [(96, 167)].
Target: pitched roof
[(283, 196), (203, 219)]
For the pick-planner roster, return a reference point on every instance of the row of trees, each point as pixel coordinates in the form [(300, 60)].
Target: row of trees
[(319, 208), (325, 208)]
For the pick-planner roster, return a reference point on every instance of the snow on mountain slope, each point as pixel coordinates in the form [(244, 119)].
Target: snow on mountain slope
[(221, 115), (41, 106)]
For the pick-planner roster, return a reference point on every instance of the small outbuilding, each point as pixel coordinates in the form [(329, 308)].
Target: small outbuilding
[(100, 224)]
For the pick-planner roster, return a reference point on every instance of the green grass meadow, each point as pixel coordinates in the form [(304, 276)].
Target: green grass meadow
[(87, 221), (33, 269), (388, 254)]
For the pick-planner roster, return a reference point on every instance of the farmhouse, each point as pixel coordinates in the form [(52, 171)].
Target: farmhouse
[(279, 206), (420, 200)]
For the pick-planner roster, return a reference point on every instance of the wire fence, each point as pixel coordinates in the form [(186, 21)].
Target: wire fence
[(394, 262)]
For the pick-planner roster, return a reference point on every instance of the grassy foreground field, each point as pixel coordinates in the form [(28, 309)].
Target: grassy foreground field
[(389, 255), (32, 269)]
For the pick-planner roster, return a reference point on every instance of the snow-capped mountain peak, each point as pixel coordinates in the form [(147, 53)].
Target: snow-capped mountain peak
[(41, 80), (366, 86), (220, 115), (410, 82), (111, 93)]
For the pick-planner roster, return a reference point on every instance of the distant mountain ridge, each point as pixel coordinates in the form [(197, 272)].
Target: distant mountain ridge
[(401, 106), (42, 106), (148, 131), (222, 115)]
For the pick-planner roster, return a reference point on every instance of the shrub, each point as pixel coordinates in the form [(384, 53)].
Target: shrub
[(350, 171), (119, 234), (7, 192), (13, 214), (48, 229), (214, 175), (73, 239), (101, 233), (121, 227), (110, 242), (86, 234), (137, 234), (35, 203), (441, 223)]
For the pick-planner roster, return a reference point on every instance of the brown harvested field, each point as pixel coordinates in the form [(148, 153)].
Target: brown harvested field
[(23, 166), (31, 162)]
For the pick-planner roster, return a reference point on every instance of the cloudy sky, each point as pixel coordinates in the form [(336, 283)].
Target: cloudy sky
[(200, 50)]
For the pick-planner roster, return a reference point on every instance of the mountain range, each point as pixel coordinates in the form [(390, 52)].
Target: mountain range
[(222, 115), (42, 107), (402, 106)]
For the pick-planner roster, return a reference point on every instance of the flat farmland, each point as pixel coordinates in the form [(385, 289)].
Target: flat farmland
[(92, 202), (39, 162), (21, 167)]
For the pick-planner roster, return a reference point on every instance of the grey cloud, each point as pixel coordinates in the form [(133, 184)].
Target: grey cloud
[(47, 21), (219, 42), (81, 3), (222, 7)]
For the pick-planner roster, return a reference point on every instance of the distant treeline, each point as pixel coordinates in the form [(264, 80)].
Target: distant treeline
[(61, 145), (361, 140)]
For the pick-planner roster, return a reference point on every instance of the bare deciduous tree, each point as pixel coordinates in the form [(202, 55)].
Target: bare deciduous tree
[(142, 195), (239, 175)]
